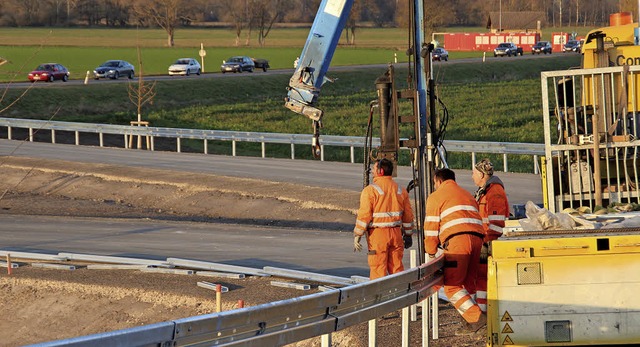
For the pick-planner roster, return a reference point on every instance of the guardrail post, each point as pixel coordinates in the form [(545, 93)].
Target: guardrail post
[(77, 138), (293, 151), (101, 139), (506, 166), (536, 168), (233, 148), (152, 144), (405, 327), (8, 133), (178, 147), (473, 160), (53, 136), (373, 338), (263, 149), (218, 298), (434, 315), (206, 149), (413, 261), (352, 155), (425, 321), (321, 152), (126, 141), (325, 340), (30, 134)]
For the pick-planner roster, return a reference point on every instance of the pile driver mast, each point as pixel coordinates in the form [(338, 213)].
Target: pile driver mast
[(309, 76)]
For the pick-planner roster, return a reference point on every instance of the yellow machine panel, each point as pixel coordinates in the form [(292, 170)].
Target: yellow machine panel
[(565, 288)]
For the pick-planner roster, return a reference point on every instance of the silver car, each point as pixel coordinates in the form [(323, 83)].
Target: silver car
[(185, 66), (114, 69)]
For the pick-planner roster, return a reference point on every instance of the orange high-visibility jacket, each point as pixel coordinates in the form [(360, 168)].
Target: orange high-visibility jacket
[(451, 210), (383, 204), (494, 208)]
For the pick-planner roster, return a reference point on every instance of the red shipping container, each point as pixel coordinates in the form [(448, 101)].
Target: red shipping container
[(486, 42)]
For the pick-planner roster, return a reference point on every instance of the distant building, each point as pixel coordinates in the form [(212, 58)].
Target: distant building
[(516, 21)]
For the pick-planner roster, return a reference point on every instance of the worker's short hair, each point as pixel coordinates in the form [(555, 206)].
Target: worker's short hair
[(444, 174), (485, 166), (386, 165)]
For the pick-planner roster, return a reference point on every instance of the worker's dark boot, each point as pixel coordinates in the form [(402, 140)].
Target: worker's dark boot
[(472, 328)]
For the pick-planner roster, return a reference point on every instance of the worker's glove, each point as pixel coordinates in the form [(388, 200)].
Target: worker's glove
[(408, 241), (484, 253), (356, 243)]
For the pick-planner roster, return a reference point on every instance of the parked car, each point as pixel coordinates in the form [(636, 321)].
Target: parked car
[(572, 46), (49, 72), (542, 47), (508, 49), (440, 54), (261, 64), (238, 64), (185, 66), (114, 69)]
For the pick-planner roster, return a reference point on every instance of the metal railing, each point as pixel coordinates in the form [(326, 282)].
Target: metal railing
[(591, 124), (282, 322), (149, 133)]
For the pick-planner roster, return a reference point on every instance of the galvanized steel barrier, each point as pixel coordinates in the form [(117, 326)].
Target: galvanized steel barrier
[(473, 147), (281, 322)]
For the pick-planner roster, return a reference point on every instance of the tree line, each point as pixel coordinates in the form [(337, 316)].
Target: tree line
[(256, 18)]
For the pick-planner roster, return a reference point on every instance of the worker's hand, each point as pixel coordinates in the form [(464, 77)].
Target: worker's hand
[(484, 253), (356, 243), (408, 241)]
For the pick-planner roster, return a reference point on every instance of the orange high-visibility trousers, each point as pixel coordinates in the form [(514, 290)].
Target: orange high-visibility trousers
[(481, 287), (386, 249), (462, 257)]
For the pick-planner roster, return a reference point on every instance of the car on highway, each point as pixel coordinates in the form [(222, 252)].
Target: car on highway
[(49, 72), (508, 49), (238, 64), (542, 47), (440, 54), (185, 66), (572, 46), (114, 69)]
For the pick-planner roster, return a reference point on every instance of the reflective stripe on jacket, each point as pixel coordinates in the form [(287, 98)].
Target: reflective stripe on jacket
[(383, 204), (494, 208), (450, 210)]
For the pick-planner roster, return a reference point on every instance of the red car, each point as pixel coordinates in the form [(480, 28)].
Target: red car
[(49, 72)]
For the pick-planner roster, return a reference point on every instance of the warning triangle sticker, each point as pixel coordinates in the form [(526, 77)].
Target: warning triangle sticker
[(507, 329), (506, 317), (507, 341)]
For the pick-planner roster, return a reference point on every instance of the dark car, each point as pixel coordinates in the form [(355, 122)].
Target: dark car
[(238, 64), (572, 46), (49, 72), (440, 54), (114, 69), (542, 47), (508, 49)]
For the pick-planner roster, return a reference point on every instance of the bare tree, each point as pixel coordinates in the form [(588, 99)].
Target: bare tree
[(237, 12), (167, 14), (266, 13)]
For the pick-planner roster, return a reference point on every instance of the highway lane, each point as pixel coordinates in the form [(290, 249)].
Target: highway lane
[(255, 246), (520, 187), (243, 245), (78, 77)]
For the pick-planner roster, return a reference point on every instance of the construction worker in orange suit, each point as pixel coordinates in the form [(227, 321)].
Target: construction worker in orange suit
[(493, 206), (453, 223), (386, 217)]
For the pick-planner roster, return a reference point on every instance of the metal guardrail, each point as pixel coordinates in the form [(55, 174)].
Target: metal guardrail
[(282, 322), (128, 132)]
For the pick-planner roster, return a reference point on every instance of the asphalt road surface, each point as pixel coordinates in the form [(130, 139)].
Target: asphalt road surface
[(520, 187), (324, 251)]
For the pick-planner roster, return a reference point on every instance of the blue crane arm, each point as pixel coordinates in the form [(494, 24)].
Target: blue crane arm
[(313, 63)]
